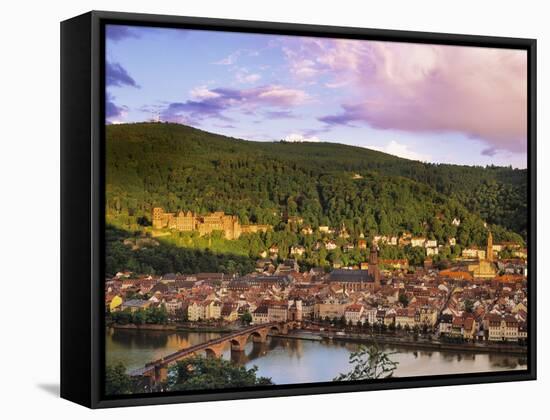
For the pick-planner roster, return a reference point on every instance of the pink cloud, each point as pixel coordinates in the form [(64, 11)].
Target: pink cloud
[(479, 92)]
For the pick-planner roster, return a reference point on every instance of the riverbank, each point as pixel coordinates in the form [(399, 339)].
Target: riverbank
[(407, 342), (144, 327), (205, 329), (171, 328), (419, 344)]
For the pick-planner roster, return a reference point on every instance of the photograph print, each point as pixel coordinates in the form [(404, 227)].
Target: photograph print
[(284, 209)]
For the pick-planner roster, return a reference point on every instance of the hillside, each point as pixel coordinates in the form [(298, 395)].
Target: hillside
[(176, 166)]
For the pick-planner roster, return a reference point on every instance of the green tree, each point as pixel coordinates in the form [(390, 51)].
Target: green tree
[(246, 318), (369, 363), (122, 317), (156, 315), (199, 373), (117, 381), (138, 317)]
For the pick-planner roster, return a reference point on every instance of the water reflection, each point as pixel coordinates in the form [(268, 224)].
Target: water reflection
[(300, 361), (135, 348)]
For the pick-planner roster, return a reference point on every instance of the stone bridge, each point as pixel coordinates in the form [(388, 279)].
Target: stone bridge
[(157, 370)]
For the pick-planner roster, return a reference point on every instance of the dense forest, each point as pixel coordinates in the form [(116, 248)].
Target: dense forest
[(369, 192), (167, 258)]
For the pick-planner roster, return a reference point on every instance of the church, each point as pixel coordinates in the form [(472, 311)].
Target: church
[(485, 269), (359, 279)]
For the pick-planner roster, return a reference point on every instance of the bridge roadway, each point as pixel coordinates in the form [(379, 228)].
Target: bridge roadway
[(238, 337)]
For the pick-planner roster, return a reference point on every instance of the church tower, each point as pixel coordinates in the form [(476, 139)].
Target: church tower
[(374, 271), (489, 256)]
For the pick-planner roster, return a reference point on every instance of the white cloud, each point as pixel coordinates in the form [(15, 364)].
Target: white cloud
[(251, 78), (243, 76), (337, 85), (230, 59), (299, 138), (401, 150), (202, 92), (283, 96)]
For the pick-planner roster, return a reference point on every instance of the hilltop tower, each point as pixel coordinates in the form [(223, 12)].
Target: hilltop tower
[(489, 255)]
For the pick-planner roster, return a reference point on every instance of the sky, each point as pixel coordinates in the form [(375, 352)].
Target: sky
[(433, 103)]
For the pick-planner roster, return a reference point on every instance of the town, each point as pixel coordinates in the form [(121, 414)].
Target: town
[(479, 298)]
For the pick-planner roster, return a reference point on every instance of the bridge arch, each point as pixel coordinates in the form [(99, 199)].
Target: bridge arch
[(278, 329), (237, 343), (258, 336), (211, 352)]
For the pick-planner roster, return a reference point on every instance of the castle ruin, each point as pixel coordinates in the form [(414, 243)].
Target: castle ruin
[(190, 222)]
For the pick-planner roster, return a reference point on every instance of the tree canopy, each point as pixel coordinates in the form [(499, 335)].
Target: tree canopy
[(117, 381), (179, 167), (369, 363), (199, 373)]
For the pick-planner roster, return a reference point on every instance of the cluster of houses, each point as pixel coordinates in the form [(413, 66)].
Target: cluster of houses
[(480, 253), (431, 246), (448, 303), (495, 311)]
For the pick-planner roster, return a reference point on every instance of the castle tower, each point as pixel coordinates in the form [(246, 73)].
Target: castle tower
[(489, 256), (374, 271), (157, 214)]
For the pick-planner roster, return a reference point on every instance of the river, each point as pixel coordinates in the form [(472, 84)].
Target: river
[(289, 361)]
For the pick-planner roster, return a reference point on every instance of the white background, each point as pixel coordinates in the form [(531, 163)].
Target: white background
[(29, 207)]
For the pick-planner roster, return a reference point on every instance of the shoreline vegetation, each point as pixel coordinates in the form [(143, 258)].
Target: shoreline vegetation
[(169, 327)]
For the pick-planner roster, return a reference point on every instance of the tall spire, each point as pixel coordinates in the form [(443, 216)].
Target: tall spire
[(374, 271), (373, 257), (490, 247)]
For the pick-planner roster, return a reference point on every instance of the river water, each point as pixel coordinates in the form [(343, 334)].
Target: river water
[(288, 361)]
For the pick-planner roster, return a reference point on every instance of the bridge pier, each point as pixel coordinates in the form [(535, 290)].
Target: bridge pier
[(239, 343), (239, 357), (161, 374), (236, 347)]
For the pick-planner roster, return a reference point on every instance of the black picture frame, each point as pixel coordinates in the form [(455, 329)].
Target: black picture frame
[(82, 206)]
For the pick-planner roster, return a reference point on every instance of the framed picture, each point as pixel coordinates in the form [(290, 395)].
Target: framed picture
[(255, 209)]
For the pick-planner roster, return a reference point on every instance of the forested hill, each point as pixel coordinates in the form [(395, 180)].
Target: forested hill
[(179, 167)]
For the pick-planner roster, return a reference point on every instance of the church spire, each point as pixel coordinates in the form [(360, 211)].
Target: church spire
[(373, 257), (489, 256), (374, 271)]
